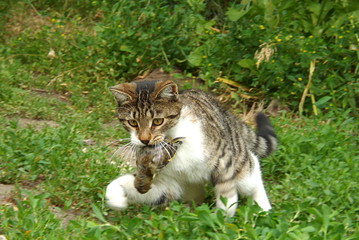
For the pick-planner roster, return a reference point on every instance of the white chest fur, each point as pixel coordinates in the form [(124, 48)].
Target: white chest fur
[(189, 161)]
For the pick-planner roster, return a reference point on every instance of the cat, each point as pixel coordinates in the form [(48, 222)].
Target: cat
[(217, 147)]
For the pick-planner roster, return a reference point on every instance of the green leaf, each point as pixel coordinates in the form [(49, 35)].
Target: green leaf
[(206, 218), (195, 57), (220, 218), (98, 28), (322, 101), (98, 213), (91, 224), (224, 200), (125, 48), (309, 229), (246, 63), (314, 8), (234, 14)]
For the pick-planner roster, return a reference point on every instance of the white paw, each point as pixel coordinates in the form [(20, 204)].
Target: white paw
[(265, 206), (116, 192), (116, 198)]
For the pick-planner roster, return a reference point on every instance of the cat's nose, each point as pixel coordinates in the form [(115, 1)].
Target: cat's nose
[(146, 142)]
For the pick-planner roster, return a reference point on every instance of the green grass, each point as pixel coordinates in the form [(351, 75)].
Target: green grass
[(311, 180)]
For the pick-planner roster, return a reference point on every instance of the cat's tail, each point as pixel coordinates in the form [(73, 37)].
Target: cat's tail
[(266, 141)]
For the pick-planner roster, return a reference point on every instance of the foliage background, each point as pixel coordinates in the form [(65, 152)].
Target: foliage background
[(58, 59)]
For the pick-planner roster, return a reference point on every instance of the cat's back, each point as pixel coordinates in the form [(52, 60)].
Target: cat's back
[(202, 103), (221, 127), (210, 112)]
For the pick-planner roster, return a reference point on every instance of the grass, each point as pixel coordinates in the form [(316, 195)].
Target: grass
[(60, 173), (311, 181)]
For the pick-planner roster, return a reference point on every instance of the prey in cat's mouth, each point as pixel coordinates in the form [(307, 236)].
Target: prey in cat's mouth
[(152, 158)]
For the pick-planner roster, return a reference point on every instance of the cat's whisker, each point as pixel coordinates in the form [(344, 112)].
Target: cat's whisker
[(170, 147), (125, 152), (123, 139), (159, 149), (128, 151), (132, 154), (116, 151), (163, 144), (157, 152)]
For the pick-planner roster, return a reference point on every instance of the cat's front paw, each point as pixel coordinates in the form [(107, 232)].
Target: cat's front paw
[(116, 192)]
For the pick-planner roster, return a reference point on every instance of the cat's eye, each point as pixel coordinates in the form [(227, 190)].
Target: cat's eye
[(157, 121), (133, 123)]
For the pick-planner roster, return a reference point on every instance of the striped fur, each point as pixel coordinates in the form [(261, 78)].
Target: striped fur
[(217, 147)]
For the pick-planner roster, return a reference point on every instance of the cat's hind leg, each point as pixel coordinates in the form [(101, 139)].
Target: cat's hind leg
[(252, 185), (226, 197), (260, 197)]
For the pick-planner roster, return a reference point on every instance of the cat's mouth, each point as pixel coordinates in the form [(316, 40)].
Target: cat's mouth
[(161, 141), (157, 140)]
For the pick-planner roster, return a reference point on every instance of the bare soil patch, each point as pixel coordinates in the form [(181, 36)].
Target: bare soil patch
[(5, 192), (50, 95), (37, 124)]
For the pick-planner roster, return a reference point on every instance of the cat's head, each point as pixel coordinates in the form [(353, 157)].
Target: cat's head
[(147, 109)]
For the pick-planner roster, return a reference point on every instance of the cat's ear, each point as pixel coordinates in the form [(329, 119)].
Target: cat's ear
[(124, 92), (166, 89)]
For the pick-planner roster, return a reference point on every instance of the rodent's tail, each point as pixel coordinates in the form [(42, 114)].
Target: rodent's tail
[(266, 141)]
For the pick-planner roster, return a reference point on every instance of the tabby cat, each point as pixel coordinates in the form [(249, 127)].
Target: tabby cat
[(216, 147)]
